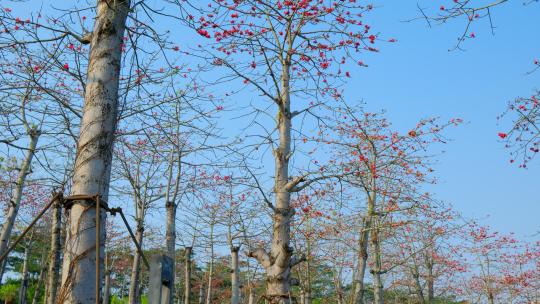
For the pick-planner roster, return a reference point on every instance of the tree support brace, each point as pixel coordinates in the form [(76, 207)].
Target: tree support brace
[(67, 203)]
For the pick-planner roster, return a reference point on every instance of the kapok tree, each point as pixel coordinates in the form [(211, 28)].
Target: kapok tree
[(116, 58), (523, 138), (292, 53), (425, 259), (389, 167), (488, 249)]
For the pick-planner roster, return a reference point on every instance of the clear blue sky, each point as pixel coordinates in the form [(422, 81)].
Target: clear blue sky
[(418, 77)]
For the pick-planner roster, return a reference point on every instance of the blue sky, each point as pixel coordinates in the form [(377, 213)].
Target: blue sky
[(418, 77)]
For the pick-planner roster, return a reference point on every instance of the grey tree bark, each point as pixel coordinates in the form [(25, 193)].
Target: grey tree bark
[(211, 266), (54, 262), (15, 202), (251, 296), (430, 279), (358, 294), (173, 186), (278, 263), (235, 276), (187, 276), (23, 290), (376, 262), (201, 294), (92, 170), (39, 283), (170, 235), (134, 294), (107, 285)]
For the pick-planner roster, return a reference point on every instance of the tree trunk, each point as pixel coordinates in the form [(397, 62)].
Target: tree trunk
[(430, 281), (235, 276), (251, 296), (306, 297), (339, 289), (54, 262), (39, 283), (417, 285), (15, 202), (187, 276), (211, 266), (358, 294), (134, 294), (491, 298), (92, 170), (377, 265), (278, 264), (171, 241), (24, 281), (107, 285), (2, 269), (201, 294), (41, 279)]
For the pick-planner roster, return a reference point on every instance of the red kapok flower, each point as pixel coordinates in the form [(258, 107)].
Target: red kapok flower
[(502, 135)]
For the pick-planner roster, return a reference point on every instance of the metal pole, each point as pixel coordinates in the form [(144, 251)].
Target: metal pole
[(133, 237)]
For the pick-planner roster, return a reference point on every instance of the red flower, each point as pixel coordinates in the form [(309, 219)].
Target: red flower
[(372, 38), (203, 33), (442, 8), (66, 66), (502, 135), (412, 133)]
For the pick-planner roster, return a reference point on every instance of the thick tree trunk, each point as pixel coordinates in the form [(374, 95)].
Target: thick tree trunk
[(187, 276), (15, 202), (235, 276), (24, 281), (358, 294), (377, 265), (107, 285), (134, 294), (170, 235), (54, 262), (92, 170)]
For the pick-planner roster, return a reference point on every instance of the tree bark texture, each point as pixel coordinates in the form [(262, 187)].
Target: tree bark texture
[(92, 170)]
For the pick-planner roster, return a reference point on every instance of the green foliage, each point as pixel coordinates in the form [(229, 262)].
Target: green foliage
[(9, 291), (118, 300)]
